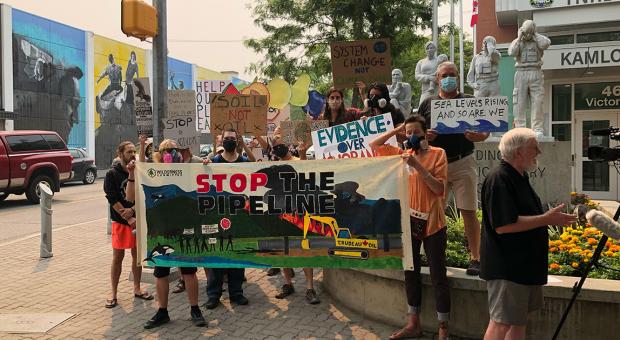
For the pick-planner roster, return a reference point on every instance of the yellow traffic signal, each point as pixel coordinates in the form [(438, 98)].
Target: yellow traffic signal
[(138, 19)]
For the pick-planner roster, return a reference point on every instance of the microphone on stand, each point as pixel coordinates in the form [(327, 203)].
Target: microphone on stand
[(604, 223)]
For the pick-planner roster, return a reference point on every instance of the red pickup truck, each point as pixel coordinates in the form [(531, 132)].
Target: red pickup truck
[(29, 157)]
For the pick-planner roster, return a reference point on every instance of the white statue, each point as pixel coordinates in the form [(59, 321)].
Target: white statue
[(483, 75), (528, 51), (425, 71), (400, 92)]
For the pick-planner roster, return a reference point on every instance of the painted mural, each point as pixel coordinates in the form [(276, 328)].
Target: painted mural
[(179, 75), (116, 65), (49, 61), (203, 73)]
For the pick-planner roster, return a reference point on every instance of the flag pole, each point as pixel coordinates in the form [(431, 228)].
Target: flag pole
[(461, 57)]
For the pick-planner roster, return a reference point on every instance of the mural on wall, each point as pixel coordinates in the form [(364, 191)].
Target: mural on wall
[(116, 65), (49, 61), (203, 73), (179, 75)]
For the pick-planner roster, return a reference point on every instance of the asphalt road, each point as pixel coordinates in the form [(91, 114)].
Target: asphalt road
[(75, 204)]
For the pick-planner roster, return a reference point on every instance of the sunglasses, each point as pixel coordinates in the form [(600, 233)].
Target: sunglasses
[(170, 150)]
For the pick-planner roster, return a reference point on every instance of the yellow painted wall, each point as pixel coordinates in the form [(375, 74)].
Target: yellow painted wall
[(206, 74)]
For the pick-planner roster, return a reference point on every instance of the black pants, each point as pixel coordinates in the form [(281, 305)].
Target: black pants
[(160, 272), (216, 281), (435, 248)]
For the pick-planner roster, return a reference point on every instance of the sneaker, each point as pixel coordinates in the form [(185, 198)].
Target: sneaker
[(474, 268), (240, 300), (286, 290), (157, 320), (311, 297), (197, 319), (212, 303), (273, 271), (180, 287)]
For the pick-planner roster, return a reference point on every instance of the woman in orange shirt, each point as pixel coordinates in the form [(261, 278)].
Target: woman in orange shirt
[(428, 174)]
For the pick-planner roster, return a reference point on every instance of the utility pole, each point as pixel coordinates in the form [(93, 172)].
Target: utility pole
[(435, 27), (160, 72)]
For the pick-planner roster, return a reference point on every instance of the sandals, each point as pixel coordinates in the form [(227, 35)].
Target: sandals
[(111, 303), (144, 296), (180, 287), (405, 333)]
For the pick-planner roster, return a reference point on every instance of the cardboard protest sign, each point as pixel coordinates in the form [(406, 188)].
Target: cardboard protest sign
[(347, 213), (142, 106), (361, 60), (247, 114), (482, 114), (180, 121), (203, 101), (351, 140), (275, 117), (297, 131)]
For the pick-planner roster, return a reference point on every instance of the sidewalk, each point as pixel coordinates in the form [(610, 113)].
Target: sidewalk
[(76, 280)]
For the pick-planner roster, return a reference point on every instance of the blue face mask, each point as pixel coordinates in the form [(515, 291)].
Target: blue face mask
[(448, 84), (413, 142)]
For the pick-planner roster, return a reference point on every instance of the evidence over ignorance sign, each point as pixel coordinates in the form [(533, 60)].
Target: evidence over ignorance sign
[(351, 140), (482, 114), (361, 60)]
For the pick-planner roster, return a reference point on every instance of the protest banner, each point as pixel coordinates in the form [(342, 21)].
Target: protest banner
[(482, 114), (351, 140), (247, 114), (180, 121), (361, 60), (203, 101), (142, 106), (330, 214), (298, 131)]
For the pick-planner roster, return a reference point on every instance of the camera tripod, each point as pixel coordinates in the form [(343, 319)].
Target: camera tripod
[(577, 287)]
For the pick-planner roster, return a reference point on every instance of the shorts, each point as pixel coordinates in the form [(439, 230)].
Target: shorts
[(122, 236), (160, 272), (510, 302), (463, 181)]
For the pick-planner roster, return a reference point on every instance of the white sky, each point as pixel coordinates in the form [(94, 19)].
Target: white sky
[(212, 20)]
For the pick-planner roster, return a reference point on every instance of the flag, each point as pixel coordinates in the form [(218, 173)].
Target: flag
[(474, 13)]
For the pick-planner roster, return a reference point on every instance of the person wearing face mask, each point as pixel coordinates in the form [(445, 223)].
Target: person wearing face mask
[(168, 152), (515, 241), (428, 177), (335, 112), (378, 102), (459, 147)]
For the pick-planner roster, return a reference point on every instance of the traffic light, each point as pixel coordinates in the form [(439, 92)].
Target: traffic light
[(138, 19)]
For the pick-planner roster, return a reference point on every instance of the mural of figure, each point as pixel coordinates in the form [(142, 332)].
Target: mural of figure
[(204, 245), (131, 72), (221, 242), (115, 74), (181, 243), (188, 244), (400, 92), (483, 75), (529, 89), (196, 244), (425, 70), (230, 243)]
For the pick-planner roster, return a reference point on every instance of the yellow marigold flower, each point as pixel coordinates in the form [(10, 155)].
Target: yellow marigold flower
[(586, 260), (553, 249), (554, 266), (609, 253), (574, 265), (573, 193), (575, 239), (569, 229), (590, 254), (592, 240)]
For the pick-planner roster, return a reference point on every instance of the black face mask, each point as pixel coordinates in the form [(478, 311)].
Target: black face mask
[(229, 145), (280, 150)]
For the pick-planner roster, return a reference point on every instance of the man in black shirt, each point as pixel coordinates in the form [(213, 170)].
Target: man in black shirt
[(515, 238), (122, 214), (462, 178)]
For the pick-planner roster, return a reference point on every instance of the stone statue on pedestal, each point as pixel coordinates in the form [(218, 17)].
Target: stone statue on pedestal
[(483, 75), (400, 92), (425, 71), (529, 89)]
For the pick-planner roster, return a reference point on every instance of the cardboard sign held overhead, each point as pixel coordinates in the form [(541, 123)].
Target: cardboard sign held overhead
[(298, 131), (142, 106), (361, 60), (247, 114), (180, 121)]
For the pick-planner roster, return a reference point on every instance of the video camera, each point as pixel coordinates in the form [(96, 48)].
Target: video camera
[(602, 153)]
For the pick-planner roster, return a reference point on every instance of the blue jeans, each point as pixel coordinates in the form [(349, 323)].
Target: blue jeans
[(216, 281)]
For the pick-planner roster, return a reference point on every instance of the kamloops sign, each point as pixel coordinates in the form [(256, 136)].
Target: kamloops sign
[(547, 4), (593, 56)]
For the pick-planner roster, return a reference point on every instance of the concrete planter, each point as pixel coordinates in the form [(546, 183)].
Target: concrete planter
[(380, 295)]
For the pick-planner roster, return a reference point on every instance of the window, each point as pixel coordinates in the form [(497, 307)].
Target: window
[(562, 39), (55, 142), (27, 143), (561, 112), (598, 37), (75, 154)]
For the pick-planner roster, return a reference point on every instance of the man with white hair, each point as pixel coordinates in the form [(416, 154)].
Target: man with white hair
[(514, 248)]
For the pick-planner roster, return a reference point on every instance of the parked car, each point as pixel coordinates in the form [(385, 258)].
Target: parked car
[(30, 157), (83, 168)]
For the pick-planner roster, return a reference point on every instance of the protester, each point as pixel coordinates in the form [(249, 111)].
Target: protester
[(146, 149), (215, 277), (462, 178), (378, 103), (123, 218), (335, 112), (515, 237), (168, 152), (428, 172)]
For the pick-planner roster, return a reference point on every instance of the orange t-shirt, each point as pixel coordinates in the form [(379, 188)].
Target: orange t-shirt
[(421, 197)]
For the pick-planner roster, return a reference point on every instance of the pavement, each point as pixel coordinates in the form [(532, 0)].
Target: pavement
[(76, 280)]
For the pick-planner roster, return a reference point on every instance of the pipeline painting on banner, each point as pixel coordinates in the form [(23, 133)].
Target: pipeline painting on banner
[(346, 213)]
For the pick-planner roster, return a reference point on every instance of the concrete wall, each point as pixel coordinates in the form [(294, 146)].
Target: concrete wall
[(380, 295)]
